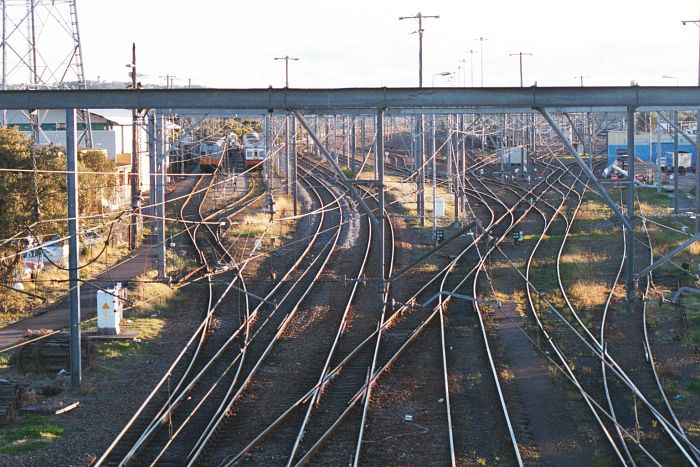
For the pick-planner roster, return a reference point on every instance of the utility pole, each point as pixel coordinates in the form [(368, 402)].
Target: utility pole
[(420, 153), (169, 79), (630, 209), (353, 145), (675, 164), (433, 150), (152, 174), (420, 18), (76, 373), (521, 117), (4, 59), (288, 154), (286, 59), (471, 67), (380, 217), (160, 195), (481, 53), (520, 55), (267, 168), (589, 137), (295, 195), (697, 140), (135, 227)]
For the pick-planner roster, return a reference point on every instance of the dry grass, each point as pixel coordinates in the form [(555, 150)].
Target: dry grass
[(148, 297), (588, 294), (249, 223), (254, 222), (404, 196), (593, 210), (427, 268), (506, 375), (583, 256), (694, 249)]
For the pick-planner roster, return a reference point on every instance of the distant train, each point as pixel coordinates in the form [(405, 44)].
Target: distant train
[(210, 154), (253, 150)]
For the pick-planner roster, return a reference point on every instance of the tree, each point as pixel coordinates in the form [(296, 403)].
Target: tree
[(17, 191), (92, 187)]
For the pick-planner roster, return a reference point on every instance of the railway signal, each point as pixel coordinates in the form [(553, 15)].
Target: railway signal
[(439, 235), (517, 236)]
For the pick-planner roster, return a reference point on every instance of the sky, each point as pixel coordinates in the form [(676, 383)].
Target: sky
[(362, 43)]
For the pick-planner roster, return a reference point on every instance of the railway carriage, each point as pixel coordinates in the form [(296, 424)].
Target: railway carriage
[(253, 150), (210, 154)]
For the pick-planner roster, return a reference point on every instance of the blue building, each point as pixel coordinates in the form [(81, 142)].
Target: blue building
[(647, 146)]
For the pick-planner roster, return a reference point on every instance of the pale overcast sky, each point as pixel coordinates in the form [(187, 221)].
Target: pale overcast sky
[(362, 43)]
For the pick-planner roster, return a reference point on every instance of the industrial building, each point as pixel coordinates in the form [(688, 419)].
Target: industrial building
[(648, 146), (110, 134)]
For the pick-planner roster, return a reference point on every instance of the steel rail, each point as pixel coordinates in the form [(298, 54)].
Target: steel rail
[(168, 404), (388, 322), (243, 326), (608, 360), (200, 331), (477, 308), (197, 450), (333, 372), (529, 286), (647, 343), (312, 397), (438, 308), (560, 354), (324, 373), (664, 423)]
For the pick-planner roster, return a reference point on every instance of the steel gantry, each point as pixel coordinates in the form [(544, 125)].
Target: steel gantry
[(377, 102)]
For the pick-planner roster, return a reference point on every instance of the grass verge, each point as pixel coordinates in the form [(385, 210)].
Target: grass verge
[(30, 434)]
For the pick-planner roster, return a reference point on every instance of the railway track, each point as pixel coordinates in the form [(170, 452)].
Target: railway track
[(300, 420), (280, 351), (144, 433), (564, 360), (304, 378)]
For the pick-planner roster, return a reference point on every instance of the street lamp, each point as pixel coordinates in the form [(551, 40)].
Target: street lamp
[(471, 66), (671, 77), (481, 52), (444, 73)]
